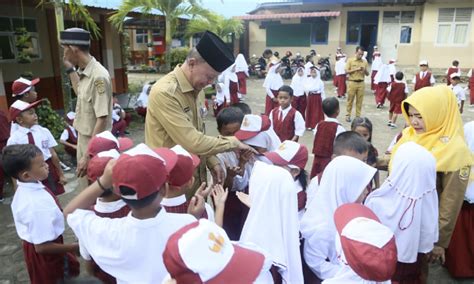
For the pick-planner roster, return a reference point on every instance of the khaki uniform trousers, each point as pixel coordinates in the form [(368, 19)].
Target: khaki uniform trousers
[(355, 91)]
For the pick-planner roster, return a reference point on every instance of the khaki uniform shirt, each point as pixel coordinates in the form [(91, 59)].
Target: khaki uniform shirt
[(173, 117), (354, 63), (94, 98)]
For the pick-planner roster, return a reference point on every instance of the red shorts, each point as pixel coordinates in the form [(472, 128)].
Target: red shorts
[(395, 107)]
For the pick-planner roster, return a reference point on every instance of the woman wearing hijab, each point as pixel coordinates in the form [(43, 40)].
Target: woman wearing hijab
[(272, 222), (231, 83), (314, 87), (381, 80), (242, 71), (435, 123), (345, 180), (407, 203), (460, 253), (299, 96), (272, 83)]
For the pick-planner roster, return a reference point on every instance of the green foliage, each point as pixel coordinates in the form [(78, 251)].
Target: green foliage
[(134, 88), (50, 119), (178, 55), (22, 40), (215, 23)]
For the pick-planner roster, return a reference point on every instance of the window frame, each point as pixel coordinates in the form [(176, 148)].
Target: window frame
[(452, 29), (412, 26), (12, 39)]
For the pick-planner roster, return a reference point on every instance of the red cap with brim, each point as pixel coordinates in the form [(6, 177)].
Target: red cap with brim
[(21, 85), (252, 125), (289, 153), (20, 106), (184, 169), (105, 141)]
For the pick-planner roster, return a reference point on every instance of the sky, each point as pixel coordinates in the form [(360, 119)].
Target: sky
[(230, 8)]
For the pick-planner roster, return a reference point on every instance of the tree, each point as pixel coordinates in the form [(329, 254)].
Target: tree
[(172, 10), (215, 23)]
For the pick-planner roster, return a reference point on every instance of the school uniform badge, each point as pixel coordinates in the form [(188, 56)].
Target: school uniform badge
[(464, 172), (100, 86)]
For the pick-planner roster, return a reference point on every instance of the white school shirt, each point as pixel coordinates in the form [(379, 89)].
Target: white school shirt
[(127, 248), (311, 190), (179, 200), (459, 93), (42, 136), (422, 75), (469, 74), (340, 67), (108, 207), (389, 88), (298, 122), (65, 135), (116, 111), (339, 129), (14, 127), (36, 215)]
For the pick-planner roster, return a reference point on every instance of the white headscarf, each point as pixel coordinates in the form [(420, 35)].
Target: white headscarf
[(230, 74), (265, 139), (272, 222), (383, 75), (223, 95), (407, 201), (392, 68), (273, 81), (307, 69), (297, 83), (469, 134), (377, 63), (241, 65), (314, 84), (343, 181)]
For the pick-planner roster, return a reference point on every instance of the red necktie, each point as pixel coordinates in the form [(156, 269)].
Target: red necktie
[(31, 140)]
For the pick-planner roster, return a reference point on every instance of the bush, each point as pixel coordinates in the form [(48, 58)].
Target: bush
[(178, 56), (50, 119)]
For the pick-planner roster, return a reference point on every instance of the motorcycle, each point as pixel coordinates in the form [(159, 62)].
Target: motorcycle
[(287, 72), (325, 68)]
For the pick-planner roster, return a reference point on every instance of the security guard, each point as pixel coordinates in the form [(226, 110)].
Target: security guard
[(92, 84), (173, 115), (357, 69)]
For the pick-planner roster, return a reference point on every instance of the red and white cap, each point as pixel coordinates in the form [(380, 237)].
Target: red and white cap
[(225, 262), (376, 53), (369, 247), (143, 170), (22, 85), (96, 166), (20, 106), (289, 153), (391, 61), (454, 75), (339, 55), (424, 62), (184, 169), (252, 125), (71, 116), (105, 141)]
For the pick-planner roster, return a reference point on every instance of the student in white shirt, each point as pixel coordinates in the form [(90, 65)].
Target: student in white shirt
[(297, 84), (23, 90), (130, 248), (69, 135), (340, 79), (29, 132), (345, 180), (458, 90), (287, 121), (424, 78), (272, 83), (38, 219)]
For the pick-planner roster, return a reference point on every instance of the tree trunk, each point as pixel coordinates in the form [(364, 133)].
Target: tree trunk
[(168, 40), (151, 62), (66, 87)]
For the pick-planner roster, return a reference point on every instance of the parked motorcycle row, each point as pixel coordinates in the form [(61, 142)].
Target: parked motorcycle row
[(290, 64)]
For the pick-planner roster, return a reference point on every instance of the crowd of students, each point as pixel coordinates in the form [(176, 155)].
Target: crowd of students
[(270, 221)]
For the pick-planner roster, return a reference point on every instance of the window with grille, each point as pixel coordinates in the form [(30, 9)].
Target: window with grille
[(453, 26), (8, 38), (405, 19)]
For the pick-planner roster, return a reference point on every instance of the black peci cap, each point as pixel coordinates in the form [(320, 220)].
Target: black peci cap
[(215, 51), (75, 36)]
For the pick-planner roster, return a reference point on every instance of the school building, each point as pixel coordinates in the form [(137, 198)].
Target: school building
[(44, 49), (406, 30)]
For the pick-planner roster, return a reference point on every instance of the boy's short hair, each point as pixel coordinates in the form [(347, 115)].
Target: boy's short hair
[(399, 75), (245, 108), (350, 141), (268, 52), (455, 63), (139, 203), (229, 115), (287, 89), (330, 106), (17, 158)]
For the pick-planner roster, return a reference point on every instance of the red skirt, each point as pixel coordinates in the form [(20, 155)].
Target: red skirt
[(314, 110), (269, 103), (118, 128), (49, 268), (381, 93), (395, 107), (460, 253), (299, 103), (409, 273), (52, 181), (341, 85), (373, 86), (218, 108), (242, 82), (471, 90), (235, 214), (141, 111)]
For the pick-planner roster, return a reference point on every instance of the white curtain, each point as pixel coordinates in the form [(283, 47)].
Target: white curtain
[(460, 32), (443, 33)]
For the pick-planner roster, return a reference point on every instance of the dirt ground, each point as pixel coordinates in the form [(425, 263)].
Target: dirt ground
[(12, 267)]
